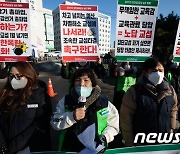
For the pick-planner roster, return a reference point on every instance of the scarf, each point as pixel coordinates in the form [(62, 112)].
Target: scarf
[(91, 99), (159, 91)]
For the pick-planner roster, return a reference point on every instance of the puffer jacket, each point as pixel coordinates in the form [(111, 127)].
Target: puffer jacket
[(29, 127)]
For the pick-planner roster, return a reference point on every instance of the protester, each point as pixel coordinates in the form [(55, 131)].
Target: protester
[(4, 70), (150, 106), (68, 68), (125, 77), (3, 73), (172, 72), (173, 77), (107, 62), (87, 120), (170, 69), (25, 112), (113, 67), (99, 68)]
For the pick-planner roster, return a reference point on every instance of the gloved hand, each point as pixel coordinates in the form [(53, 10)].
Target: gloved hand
[(3, 149), (63, 62), (102, 141), (121, 71)]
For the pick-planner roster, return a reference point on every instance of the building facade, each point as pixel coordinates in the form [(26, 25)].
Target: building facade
[(104, 26), (37, 25), (57, 28), (43, 35), (57, 32), (49, 29)]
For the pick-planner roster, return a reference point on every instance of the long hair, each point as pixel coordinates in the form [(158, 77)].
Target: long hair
[(11, 99)]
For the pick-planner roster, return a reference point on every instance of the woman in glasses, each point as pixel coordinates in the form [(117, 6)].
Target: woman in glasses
[(24, 112)]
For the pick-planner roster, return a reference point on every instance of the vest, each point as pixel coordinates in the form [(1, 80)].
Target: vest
[(96, 113), (152, 116), (123, 82), (169, 77)]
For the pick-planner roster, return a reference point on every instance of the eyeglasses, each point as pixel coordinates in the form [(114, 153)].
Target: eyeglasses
[(16, 76)]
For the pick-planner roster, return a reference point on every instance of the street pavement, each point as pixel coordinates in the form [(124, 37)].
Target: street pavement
[(60, 86), (52, 70)]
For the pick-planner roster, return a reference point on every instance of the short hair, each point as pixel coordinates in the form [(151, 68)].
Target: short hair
[(150, 63), (84, 71)]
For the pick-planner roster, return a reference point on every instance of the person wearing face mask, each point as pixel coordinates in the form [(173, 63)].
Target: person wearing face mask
[(86, 119), (99, 68), (125, 77), (150, 106), (68, 68), (25, 112)]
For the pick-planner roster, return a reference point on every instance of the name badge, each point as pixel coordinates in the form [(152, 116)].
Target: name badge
[(32, 106)]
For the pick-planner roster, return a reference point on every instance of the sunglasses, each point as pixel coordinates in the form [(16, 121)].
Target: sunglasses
[(16, 76)]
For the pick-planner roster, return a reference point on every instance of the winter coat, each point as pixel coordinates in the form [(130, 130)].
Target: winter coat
[(64, 120), (28, 127), (99, 70), (140, 114)]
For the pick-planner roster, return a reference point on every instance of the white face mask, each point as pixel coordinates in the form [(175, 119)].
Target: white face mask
[(18, 84), (156, 77), (83, 91)]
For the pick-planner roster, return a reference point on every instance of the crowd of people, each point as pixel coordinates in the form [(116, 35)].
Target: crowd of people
[(146, 100)]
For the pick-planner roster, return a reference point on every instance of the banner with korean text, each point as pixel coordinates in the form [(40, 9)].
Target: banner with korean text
[(135, 27), (176, 52), (79, 32), (15, 44)]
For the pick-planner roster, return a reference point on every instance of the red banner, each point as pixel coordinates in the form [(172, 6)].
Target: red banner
[(79, 58), (78, 8), (13, 5), (13, 58)]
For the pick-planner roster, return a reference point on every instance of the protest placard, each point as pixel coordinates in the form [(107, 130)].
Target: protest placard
[(15, 44), (79, 32), (176, 52), (135, 27)]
